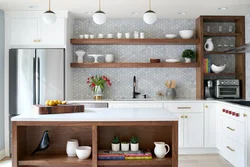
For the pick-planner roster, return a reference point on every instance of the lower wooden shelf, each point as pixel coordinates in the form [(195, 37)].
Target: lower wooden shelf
[(154, 161), (50, 160), (222, 74), (134, 65)]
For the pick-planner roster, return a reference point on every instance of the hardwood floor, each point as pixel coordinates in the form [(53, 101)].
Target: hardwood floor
[(184, 161)]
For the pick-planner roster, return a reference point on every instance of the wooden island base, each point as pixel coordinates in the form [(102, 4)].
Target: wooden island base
[(98, 135)]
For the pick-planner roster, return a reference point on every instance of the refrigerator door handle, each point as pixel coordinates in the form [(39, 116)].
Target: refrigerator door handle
[(38, 71), (34, 80)]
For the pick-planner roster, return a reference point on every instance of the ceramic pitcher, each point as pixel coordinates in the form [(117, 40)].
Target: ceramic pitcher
[(209, 46), (80, 54), (160, 149)]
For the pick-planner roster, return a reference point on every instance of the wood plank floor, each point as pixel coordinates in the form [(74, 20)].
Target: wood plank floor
[(184, 161)]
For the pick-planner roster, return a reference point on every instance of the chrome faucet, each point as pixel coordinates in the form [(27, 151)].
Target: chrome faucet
[(134, 85)]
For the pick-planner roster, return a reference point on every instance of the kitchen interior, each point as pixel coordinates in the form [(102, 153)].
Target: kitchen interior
[(184, 71)]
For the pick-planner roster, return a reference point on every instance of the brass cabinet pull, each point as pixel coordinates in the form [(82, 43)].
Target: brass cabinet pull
[(35, 40), (230, 149), (39, 40), (230, 128), (206, 106), (186, 116), (244, 115), (184, 107), (182, 116)]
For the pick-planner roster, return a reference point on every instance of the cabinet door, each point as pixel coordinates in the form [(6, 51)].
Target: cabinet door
[(193, 130), (248, 137), (210, 124), (23, 31), (52, 34), (180, 130)]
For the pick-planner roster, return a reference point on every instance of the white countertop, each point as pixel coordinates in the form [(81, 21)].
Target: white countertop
[(104, 114)]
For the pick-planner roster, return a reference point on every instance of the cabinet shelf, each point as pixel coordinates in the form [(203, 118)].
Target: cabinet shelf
[(221, 34), (134, 65), (218, 53), (222, 74), (157, 162), (52, 160), (147, 41)]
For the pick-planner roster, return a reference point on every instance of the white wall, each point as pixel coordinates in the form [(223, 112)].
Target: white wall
[(1, 80), (247, 19)]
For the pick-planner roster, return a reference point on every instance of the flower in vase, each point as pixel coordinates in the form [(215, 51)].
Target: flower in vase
[(98, 80)]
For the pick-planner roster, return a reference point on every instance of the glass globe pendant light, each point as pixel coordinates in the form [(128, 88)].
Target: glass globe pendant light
[(49, 16), (99, 17), (149, 16)]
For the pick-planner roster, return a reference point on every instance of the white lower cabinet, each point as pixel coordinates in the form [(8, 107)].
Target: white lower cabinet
[(210, 123), (135, 105), (190, 123)]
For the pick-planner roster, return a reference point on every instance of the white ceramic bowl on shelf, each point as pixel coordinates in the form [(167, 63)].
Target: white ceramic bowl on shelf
[(186, 34), (83, 152), (218, 69), (170, 36)]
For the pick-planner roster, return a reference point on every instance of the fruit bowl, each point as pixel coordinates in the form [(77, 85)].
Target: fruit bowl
[(186, 34), (218, 69)]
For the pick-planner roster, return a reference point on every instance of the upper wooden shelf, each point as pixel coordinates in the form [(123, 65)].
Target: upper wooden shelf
[(222, 34), (146, 41), (222, 74), (53, 160), (134, 65)]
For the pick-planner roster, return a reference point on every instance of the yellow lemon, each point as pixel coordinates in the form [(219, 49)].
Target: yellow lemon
[(64, 102), (58, 102), (51, 103), (47, 102), (55, 101)]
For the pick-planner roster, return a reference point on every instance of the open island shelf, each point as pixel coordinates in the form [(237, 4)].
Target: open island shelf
[(98, 135)]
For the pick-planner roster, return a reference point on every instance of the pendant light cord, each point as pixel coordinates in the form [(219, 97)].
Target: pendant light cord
[(49, 5), (99, 5), (149, 4)]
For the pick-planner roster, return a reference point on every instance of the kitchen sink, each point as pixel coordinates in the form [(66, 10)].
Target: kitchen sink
[(139, 99)]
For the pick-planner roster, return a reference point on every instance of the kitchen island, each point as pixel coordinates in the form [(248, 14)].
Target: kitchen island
[(95, 127)]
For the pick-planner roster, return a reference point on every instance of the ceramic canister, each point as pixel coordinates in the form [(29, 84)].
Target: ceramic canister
[(72, 144)]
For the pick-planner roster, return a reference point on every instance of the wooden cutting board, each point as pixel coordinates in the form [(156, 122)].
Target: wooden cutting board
[(60, 109)]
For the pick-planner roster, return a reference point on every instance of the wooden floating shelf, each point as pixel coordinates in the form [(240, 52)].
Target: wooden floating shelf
[(146, 41), (134, 65), (154, 161), (222, 34), (53, 160), (222, 74), (219, 53)]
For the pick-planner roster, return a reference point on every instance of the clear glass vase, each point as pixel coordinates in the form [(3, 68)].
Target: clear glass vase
[(98, 92)]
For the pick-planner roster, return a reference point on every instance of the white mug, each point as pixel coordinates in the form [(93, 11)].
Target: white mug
[(109, 58), (127, 35), (92, 36), (109, 35), (119, 35), (142, 35), (100, 35), (72, 144), (81, 36), (86, 36), (136, 34)]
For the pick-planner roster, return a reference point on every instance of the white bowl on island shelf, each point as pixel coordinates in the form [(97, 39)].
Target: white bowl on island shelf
[(83, 152), (218, 69)]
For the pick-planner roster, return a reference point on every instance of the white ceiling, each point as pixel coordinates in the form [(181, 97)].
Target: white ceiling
[(125, 8)]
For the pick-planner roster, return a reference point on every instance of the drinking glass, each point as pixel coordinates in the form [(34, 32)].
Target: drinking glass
[(219, 47), (225, 47), (208, 28), (220, 28), (230, 28)]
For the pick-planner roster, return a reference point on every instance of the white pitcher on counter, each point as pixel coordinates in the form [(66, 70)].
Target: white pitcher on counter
[(160, 149)]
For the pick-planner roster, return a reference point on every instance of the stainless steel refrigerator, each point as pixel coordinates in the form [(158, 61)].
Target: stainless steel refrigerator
[(35, 75)]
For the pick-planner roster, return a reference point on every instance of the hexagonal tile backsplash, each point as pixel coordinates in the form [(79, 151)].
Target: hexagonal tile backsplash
[(149, 80)]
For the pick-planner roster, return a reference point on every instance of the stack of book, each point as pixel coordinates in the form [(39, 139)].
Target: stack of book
[(124, 155), (207, 64)]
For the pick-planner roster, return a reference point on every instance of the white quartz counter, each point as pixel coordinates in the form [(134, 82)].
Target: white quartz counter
[(104, 114)]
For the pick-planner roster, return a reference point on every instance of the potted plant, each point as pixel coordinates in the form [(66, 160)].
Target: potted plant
[(134, 143), (115, 143), (125, 146), (188, 54)]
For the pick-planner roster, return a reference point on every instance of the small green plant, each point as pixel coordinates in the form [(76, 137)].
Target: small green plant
[(188, 53), (124, 142), (115, 140), (134, 140)]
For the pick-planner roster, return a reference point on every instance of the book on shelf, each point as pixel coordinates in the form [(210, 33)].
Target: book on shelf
[(111, 158), (207, 64), (138, 158)]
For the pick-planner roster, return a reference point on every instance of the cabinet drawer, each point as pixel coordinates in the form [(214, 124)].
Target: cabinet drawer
[(135, 105), (233, 151), (184, 107), (234, 129)]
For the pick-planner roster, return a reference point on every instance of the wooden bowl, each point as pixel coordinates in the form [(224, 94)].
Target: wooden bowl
[(155, 60)]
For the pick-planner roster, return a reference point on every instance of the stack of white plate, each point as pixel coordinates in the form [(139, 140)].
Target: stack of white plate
[(172, 60)]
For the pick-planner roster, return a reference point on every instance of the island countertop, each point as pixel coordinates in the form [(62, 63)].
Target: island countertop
[(104, 114)]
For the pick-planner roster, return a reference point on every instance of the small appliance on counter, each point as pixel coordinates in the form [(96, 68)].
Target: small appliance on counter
[(209, 90), (227, 88)]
